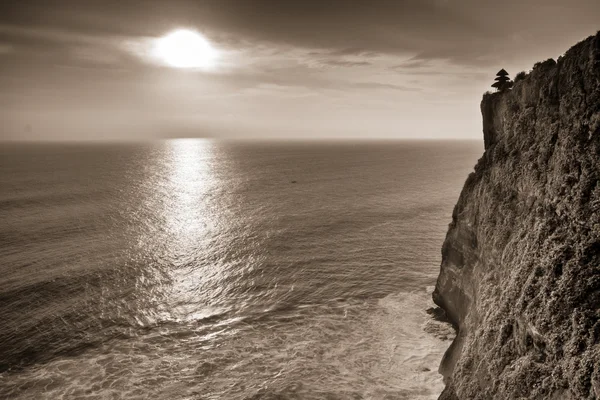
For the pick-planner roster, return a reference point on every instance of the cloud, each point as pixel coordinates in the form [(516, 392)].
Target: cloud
[(413, 63), (467, 32), (346, 63), (6, 48), (352, 51), (379, 85), (55, 46)]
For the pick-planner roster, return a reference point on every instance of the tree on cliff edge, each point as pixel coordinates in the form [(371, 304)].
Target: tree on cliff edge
[(503, 82)]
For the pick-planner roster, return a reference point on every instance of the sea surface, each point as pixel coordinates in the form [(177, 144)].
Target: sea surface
[(199, 269)]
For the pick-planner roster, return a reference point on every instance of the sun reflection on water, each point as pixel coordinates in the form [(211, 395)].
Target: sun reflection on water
[(190, 181), (191, 219)]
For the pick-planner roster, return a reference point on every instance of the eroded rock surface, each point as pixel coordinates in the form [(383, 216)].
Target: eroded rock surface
[(520, 273)]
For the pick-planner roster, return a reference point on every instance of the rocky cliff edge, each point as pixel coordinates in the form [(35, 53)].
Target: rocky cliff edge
[(520, 273)]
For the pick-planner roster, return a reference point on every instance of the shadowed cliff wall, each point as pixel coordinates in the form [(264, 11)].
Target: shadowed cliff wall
[(520, 273)]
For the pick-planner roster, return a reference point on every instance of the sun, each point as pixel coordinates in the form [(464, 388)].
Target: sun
[(185, 48)]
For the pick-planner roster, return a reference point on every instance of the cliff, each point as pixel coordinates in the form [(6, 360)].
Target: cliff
[(520, 273)]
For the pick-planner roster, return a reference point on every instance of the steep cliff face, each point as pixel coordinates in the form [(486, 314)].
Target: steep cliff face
[(520, 273)]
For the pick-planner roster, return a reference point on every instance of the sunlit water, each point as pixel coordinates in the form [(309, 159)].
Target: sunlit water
[(195, 269)]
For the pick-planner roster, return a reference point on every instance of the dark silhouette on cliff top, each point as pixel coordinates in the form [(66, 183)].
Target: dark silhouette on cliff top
[(503, 82)]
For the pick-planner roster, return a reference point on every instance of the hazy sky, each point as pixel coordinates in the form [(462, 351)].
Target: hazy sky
[(83, 69)]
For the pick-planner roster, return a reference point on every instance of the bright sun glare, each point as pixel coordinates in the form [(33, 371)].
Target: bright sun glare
[(185, 49)]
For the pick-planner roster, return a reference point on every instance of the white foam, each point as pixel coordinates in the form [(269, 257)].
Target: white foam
[(368, 349)]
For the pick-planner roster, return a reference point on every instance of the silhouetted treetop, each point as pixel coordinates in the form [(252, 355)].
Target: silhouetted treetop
[(503, 82)]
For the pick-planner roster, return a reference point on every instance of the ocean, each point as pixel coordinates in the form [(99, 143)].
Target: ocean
[(201, 269)]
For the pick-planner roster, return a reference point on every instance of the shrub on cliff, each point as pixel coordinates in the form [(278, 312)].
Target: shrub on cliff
[(520, 76)]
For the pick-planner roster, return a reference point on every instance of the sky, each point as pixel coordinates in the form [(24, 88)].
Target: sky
[(86, 70)]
